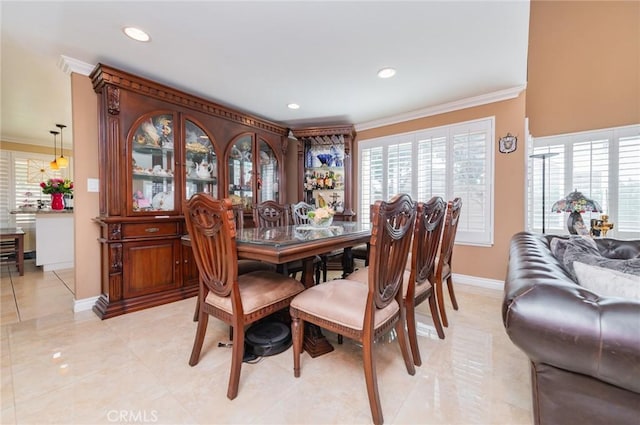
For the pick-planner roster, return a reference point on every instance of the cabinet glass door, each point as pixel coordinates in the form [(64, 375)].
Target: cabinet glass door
[(241, 173), (201, 162), (324, 172), (152, 161), (268, 183)]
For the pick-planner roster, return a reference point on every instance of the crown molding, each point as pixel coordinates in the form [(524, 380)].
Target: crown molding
[(69, 65), (456, 105)]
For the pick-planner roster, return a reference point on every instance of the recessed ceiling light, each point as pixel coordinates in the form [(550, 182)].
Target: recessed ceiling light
[(136, 34), (293, 106), (386, 72)]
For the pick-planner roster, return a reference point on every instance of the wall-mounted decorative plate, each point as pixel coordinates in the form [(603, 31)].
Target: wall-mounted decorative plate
[(508, 143)]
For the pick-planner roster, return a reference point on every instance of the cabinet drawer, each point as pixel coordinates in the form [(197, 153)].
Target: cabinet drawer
[(140, 230)]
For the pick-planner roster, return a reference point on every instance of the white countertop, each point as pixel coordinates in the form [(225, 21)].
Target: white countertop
[(42, 211)]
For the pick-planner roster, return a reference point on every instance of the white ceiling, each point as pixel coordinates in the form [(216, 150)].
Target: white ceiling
[(259, 56)]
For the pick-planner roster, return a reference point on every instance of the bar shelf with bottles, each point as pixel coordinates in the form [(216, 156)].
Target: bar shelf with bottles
[(324, 186), (325, 166)]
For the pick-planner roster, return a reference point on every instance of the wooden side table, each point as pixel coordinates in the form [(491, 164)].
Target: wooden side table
[(12, 247)]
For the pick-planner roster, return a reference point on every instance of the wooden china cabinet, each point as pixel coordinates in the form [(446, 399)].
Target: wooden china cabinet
[(324, 168), (158, 147), (253, 170)]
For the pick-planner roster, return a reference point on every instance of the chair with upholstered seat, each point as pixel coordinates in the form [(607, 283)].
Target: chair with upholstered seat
[(236, 300), (244, 265), (419, 272), (365, 312), (419, 282), (299, 217), (272, 214), (443, 266)]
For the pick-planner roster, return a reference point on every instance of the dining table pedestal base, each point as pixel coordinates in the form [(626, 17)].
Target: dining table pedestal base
[(315, 343)]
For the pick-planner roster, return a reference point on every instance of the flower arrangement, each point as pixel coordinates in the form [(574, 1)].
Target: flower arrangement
[(321, 217), (57, 186)]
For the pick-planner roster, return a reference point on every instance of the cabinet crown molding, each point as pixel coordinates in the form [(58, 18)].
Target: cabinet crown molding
[(104, 75)]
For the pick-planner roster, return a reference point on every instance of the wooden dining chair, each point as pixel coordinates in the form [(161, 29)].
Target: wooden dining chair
[(365, 312), (419, 271), (272, 214), (236, 300), (443, 265), (421, 274), (299, 217), (244, 265)]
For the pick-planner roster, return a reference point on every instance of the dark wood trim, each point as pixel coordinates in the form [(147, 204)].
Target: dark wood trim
[(104, 75)]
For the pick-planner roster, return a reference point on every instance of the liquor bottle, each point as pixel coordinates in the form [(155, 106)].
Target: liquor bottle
[(328, 181)]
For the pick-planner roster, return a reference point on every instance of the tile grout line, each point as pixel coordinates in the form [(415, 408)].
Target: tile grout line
[(15, 299), (64, 283)]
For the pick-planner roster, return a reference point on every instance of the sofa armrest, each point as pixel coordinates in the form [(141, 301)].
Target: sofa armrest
[(557, 322)]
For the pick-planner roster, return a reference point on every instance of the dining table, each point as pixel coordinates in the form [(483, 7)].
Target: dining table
[(284, 244)]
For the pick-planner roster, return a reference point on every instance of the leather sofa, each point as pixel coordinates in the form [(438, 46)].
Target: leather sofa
[(584, 349)]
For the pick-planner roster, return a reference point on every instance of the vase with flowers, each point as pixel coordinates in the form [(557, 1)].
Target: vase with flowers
[(57, 188), (321, 217)]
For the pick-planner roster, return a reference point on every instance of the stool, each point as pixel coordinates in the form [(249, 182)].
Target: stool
[(12, 247)]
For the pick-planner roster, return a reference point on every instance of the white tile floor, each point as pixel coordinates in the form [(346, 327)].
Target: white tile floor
[(65, 368)]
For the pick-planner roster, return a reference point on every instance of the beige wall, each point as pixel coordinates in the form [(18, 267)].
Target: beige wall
[(485, 262), (583, 70), (86, 204)]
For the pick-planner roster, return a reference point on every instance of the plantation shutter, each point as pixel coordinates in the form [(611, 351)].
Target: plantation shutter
[(601, 164), (23, 186), (399, 169), (470, 181), (447, 161), (432, 166), (371, 174), (5, 190), (629, 184), (591, 170)]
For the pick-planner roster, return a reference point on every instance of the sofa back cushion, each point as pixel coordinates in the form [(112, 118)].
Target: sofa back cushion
[(607, 282)]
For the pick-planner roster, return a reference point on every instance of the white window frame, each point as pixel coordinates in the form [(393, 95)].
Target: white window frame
[(486, 125), (8, 187), (563, 177)]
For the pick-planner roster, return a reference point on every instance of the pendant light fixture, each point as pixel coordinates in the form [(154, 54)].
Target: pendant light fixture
[(54, 164), (62, 161)]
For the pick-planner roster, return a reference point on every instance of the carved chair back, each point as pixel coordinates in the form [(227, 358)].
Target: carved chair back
[(450, 228), (271, 214), (238, 215), (392, 227), (211, 227), (299, 212), (426, 239)]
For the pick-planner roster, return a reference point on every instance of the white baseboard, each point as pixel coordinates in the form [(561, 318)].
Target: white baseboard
[(56, 266), (84, 304), (480, 282)]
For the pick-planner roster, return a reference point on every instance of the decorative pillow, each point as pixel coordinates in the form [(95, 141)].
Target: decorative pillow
[(607, 282), (584, 253), (559, 245)]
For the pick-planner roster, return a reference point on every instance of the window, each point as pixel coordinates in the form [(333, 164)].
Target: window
[(450, 161), (21, 173), (602, 164)]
